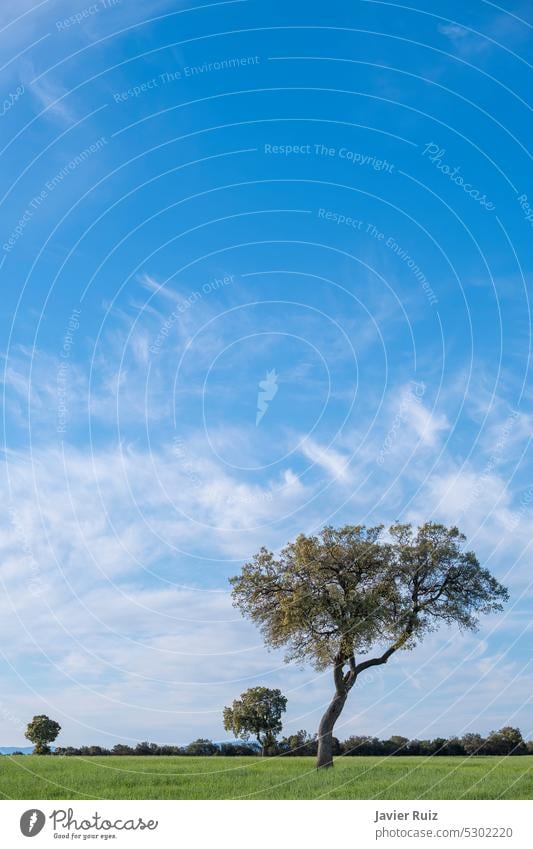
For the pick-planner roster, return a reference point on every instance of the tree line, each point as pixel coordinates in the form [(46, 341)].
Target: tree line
[(506, 741), (257, 714)]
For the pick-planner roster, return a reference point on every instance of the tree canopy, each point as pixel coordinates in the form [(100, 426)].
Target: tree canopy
[(41, 731), (257, 713), (333, 597)]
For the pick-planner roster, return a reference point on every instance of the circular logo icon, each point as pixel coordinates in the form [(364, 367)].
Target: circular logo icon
[(32, 822)]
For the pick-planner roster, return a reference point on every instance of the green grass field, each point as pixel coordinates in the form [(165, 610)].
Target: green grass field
[(32, 777)]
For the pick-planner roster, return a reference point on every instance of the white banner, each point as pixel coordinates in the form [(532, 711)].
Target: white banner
[(261, 825)]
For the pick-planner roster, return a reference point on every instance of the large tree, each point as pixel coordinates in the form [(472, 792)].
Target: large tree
[(257, 713), (349, 598), (41, 731)]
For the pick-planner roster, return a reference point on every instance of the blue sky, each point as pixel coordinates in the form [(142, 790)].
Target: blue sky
[(323, 209)]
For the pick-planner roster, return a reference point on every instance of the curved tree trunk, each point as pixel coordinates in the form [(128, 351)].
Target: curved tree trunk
[(325, 731), (343, 685)]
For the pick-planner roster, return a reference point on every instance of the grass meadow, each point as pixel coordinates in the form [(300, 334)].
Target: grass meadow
[(33, 777)]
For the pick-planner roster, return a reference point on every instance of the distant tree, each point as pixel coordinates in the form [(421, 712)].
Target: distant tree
[(335, 597), (122, 749), (201, 747), (357, 745), (66, 752), (454, 746), (396, 745), (506, 741), (143, 748), (438, 746), (170, 750), (415, 747), (257, 713), (362, 746), (233, 749), (41, 731), (299, 744), (473, 744)]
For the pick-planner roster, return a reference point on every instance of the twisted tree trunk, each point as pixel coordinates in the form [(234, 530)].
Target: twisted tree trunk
[(325, 731), (343, 684)]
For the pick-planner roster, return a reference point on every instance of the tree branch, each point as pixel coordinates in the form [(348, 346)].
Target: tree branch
[(376, 661)]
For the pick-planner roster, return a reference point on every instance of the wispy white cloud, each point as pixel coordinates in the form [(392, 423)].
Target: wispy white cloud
[(506, 29), (331, 461), (51, 98), (453, 31), (427, 424)]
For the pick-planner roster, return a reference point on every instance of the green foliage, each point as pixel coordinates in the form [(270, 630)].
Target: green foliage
[(202, 747), (298, 744), (473, 744), (506, 741), (146, 748), (329, 597), (362, 745), (122, 749), (397, 743), (257, 713), (41, 731), (198, 748)]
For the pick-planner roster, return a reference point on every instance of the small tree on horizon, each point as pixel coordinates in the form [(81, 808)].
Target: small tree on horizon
[(506, 741), (473, 743), (257, 713), (41, 731), (333, 598)]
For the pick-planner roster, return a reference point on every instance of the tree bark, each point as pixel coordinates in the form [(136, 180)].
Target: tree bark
[(343, 685), (325, 731)]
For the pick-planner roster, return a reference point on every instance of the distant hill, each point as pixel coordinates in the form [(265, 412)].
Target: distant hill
[(8, 750)]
